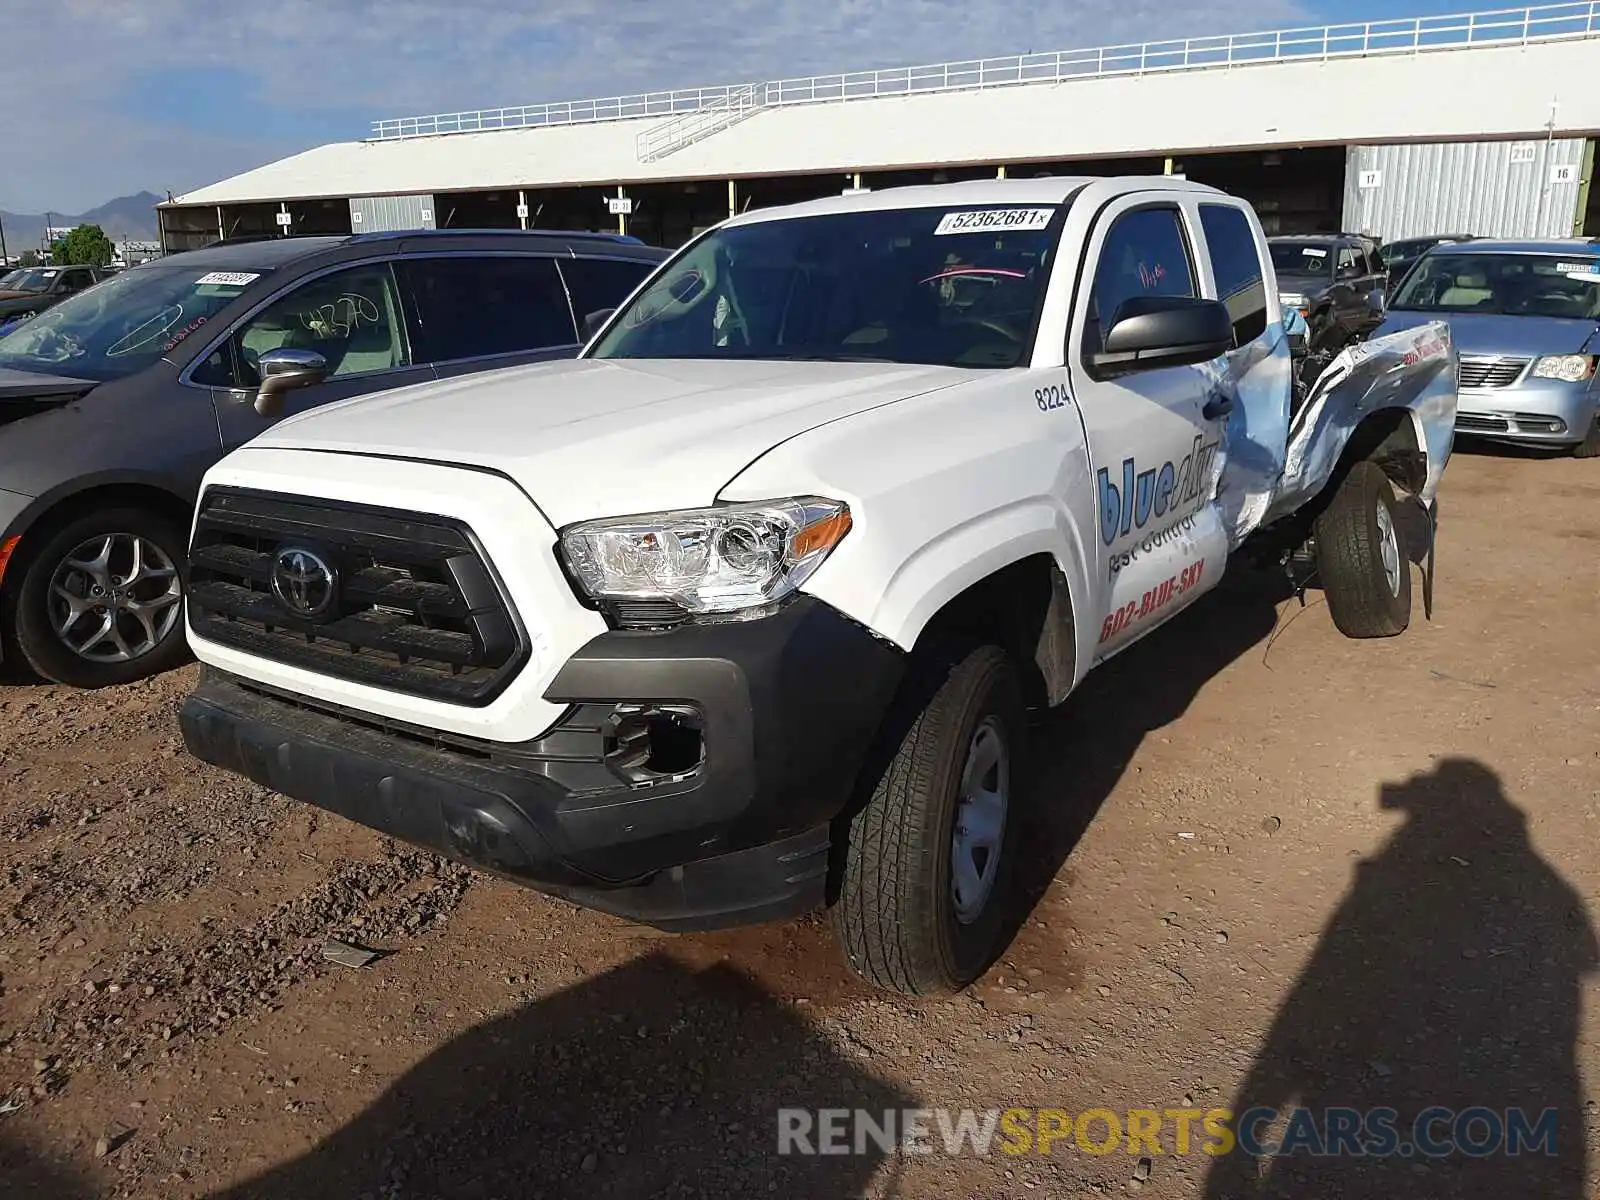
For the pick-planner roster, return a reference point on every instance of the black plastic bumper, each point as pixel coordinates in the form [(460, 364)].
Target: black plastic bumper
[(784, 710)]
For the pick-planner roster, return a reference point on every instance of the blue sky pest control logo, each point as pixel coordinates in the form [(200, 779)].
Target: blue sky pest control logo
[(1175, 489)]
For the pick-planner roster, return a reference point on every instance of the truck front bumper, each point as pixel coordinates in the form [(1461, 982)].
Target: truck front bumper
[(691, 783)]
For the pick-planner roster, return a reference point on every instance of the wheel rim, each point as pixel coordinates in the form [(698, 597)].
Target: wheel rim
[(1389, 548), (980, 821), (115, 598)]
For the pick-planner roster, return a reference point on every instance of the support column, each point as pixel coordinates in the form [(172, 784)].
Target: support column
[(622, 218), (733, 198), (222, 229), (1000, 171), (522, 208)]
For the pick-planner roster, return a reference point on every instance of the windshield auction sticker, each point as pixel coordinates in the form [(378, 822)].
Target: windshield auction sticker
[(993, 220), (227, 278)]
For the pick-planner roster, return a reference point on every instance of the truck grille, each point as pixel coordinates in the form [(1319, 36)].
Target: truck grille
[(408, 602), (1485, 371)]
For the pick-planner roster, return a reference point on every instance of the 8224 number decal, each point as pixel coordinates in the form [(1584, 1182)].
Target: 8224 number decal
[(1048, 398)]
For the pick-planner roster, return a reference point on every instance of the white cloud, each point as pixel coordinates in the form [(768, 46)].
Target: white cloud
[(74, 136)]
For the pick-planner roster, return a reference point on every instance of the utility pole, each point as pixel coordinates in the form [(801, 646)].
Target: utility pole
[(1549, 153), (4, 257)]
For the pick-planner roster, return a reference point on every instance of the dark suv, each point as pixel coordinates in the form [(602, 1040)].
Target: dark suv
[(28, 291), (114, 402), (1335, 280)]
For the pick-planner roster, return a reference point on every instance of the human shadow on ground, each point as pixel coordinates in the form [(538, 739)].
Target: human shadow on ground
[(651, 1080), (1450, 977)]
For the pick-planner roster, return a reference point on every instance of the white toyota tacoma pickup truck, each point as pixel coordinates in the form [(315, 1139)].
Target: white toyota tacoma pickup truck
[(739, 613)]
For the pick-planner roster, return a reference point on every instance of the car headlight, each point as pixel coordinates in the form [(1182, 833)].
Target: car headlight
[(1573, 368), (735, 558)]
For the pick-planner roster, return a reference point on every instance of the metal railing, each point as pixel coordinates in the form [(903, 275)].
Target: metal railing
[(1409, 35), (661, 140)]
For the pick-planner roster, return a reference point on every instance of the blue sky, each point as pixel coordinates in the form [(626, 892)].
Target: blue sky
[(181, 93)]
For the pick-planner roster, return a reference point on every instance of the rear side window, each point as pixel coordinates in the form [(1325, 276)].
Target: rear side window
[(467, 307), (1236, 264), (1145, 254), (596, 284)]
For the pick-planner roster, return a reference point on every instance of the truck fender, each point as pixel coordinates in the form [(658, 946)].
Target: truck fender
[(900, 605)]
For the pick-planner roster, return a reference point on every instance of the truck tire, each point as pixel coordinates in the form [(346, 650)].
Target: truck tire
[(928, 858), (99, 601), (1590, 446), (1361, 560)]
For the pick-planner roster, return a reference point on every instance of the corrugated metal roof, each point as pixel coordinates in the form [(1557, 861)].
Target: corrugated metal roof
[(1430, 97)]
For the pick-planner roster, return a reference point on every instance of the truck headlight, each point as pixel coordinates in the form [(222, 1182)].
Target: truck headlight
[(728, 559), (1294, 300), (1573, 368)]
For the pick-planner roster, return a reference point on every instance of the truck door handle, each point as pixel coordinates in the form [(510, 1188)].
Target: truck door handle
[(1217, 406)]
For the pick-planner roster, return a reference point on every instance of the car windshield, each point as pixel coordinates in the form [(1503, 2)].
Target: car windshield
[(1301, 258), (120, 327), (32, 279), (945, 286), (1518, 285)]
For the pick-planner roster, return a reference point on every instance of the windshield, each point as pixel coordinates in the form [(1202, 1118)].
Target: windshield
[(950, 287), (1519, 285), (121, 326), (33, 279), (1301, 258)]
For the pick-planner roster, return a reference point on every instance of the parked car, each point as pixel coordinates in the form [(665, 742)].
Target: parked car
[(1526, 319), (1398, 256), (1336, 281), (114, 402), (28, 291), (746, 604)]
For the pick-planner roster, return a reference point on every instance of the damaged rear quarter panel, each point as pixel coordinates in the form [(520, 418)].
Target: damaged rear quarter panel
[(1413, 370)]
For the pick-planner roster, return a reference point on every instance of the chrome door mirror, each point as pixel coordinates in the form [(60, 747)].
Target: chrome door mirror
[(283, 370)]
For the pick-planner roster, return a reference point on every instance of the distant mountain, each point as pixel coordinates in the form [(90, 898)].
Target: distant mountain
[(127, 218)]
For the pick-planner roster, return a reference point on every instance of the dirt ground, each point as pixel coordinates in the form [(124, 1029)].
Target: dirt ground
[(1266, 866)]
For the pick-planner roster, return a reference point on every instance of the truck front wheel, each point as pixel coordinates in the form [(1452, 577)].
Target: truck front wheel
[(1361, 557), (922, 893)]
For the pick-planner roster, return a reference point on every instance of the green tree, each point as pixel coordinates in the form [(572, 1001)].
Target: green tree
[(28, 258), (87, 245)]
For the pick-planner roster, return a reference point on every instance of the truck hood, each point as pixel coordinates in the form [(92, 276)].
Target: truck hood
[(1494, 334), (1304, 285), (591, 438)]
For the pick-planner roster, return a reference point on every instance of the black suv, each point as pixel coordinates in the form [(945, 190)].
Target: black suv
[(1335, 280), (114, 402)]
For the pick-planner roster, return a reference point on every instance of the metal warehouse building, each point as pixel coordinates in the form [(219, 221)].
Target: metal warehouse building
[(1477, 123)]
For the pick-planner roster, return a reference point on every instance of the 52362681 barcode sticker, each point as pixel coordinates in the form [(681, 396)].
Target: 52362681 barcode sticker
[(993, 220)]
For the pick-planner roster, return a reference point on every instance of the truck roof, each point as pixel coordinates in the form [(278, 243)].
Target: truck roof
[(1049, 190)]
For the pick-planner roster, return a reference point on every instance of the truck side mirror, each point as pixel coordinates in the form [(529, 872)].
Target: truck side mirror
[(1164, 331), (284, 370)]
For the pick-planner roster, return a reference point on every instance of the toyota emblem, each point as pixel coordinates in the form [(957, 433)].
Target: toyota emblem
[(303, 582)]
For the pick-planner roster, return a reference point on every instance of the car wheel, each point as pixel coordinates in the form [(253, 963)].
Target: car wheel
[(100, 601), (1361, 558), (928, 858), (1590, 446)]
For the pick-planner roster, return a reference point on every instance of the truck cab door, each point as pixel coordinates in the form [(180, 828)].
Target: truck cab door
[(1153, 433)]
